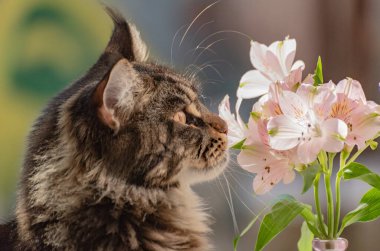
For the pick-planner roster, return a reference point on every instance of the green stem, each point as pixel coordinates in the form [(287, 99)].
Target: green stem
[(330, 201), (330, 206), (342, 164), (337, 205), (318, 206), (356, 155)]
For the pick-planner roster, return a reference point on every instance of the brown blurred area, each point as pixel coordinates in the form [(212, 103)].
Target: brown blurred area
[(345, 33)]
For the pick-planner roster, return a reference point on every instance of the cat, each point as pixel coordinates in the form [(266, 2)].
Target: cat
[(110, 162)]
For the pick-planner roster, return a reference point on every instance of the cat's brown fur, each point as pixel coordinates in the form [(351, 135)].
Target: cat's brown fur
[(110, 161)]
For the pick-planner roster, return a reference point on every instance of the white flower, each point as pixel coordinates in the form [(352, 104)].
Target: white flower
[(273, 63)]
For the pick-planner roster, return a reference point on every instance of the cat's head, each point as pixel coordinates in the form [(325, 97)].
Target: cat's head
[(144, 122)]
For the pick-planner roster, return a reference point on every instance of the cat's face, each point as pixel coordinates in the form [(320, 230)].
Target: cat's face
[(175, 138), (155, 130)]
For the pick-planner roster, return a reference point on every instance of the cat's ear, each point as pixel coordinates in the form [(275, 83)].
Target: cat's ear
[(126, 39), (116, 92)]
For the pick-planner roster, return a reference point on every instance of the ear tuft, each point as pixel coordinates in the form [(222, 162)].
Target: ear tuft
[(140, 50), (126, 39)]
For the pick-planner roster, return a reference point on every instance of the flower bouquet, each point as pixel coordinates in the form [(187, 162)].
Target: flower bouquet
[(300, 126)]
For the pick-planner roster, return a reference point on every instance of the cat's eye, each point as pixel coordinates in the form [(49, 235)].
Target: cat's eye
[(180, 117), (189, 116), (192, 109)]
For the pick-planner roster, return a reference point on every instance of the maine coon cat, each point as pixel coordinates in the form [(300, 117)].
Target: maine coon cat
[(110, 161)]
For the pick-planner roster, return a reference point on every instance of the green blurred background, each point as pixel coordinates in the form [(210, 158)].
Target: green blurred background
[(45, 45)]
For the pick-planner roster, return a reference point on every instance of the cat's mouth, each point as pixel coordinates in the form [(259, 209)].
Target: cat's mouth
[(215, 154), (216, 149)]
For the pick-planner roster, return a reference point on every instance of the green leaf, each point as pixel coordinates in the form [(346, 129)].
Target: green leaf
[(311, 220), (305, 242), (274, 222), (361, 172), (308, 176), (368, 209), (246, 229), (318, 73), (239, 145)]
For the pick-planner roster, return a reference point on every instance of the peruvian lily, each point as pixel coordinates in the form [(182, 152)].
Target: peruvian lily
[(352, 89), (361, 116), (300, 127), (273, 63), (236, 127), (257, 157)]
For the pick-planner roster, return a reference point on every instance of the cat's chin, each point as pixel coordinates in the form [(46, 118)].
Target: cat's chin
[(193, 175)]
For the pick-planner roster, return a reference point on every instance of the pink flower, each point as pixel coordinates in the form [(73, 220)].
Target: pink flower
[(257, 157), (301, 127), (361, 116), (273, 63), (236, 127)]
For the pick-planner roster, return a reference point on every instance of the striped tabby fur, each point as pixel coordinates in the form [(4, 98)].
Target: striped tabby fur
[(110, 161)]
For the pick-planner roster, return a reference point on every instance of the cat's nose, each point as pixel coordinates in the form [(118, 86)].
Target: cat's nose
[(216, 122)]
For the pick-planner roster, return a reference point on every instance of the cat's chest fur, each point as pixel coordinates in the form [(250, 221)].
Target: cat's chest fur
[(128, 218)]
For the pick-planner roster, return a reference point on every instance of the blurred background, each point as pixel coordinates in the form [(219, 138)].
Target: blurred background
[(45, 45)]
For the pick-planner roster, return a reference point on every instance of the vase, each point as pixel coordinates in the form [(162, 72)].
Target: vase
[(339, 244)]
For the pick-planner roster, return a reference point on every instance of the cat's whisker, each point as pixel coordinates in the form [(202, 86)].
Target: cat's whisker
[(248, 192), (224, 31), (173, 41), (228, 200), (245, 173), (201, 27), (199, 48), (208, 65), (231, 206), (238, 169), (242, 201), (256, 197), (194, 20), (195, 72), (207, 48)]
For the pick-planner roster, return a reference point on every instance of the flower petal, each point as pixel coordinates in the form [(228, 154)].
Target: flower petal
[(261, 186), (235, 130), (253, 157), (274, 67), (284, 133), (272, 174), (258, 55), (289, 176), (334, 133), (352, 89), (292, 105), (299, 64), (365, 124), (253, 84), (294, 78), (308, 151), (288, 52)]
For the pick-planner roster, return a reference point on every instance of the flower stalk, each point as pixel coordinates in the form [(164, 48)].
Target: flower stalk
[(330, 206), (321, 224)]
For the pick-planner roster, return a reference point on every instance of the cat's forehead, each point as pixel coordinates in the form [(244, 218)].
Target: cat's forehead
[(161, 74)]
